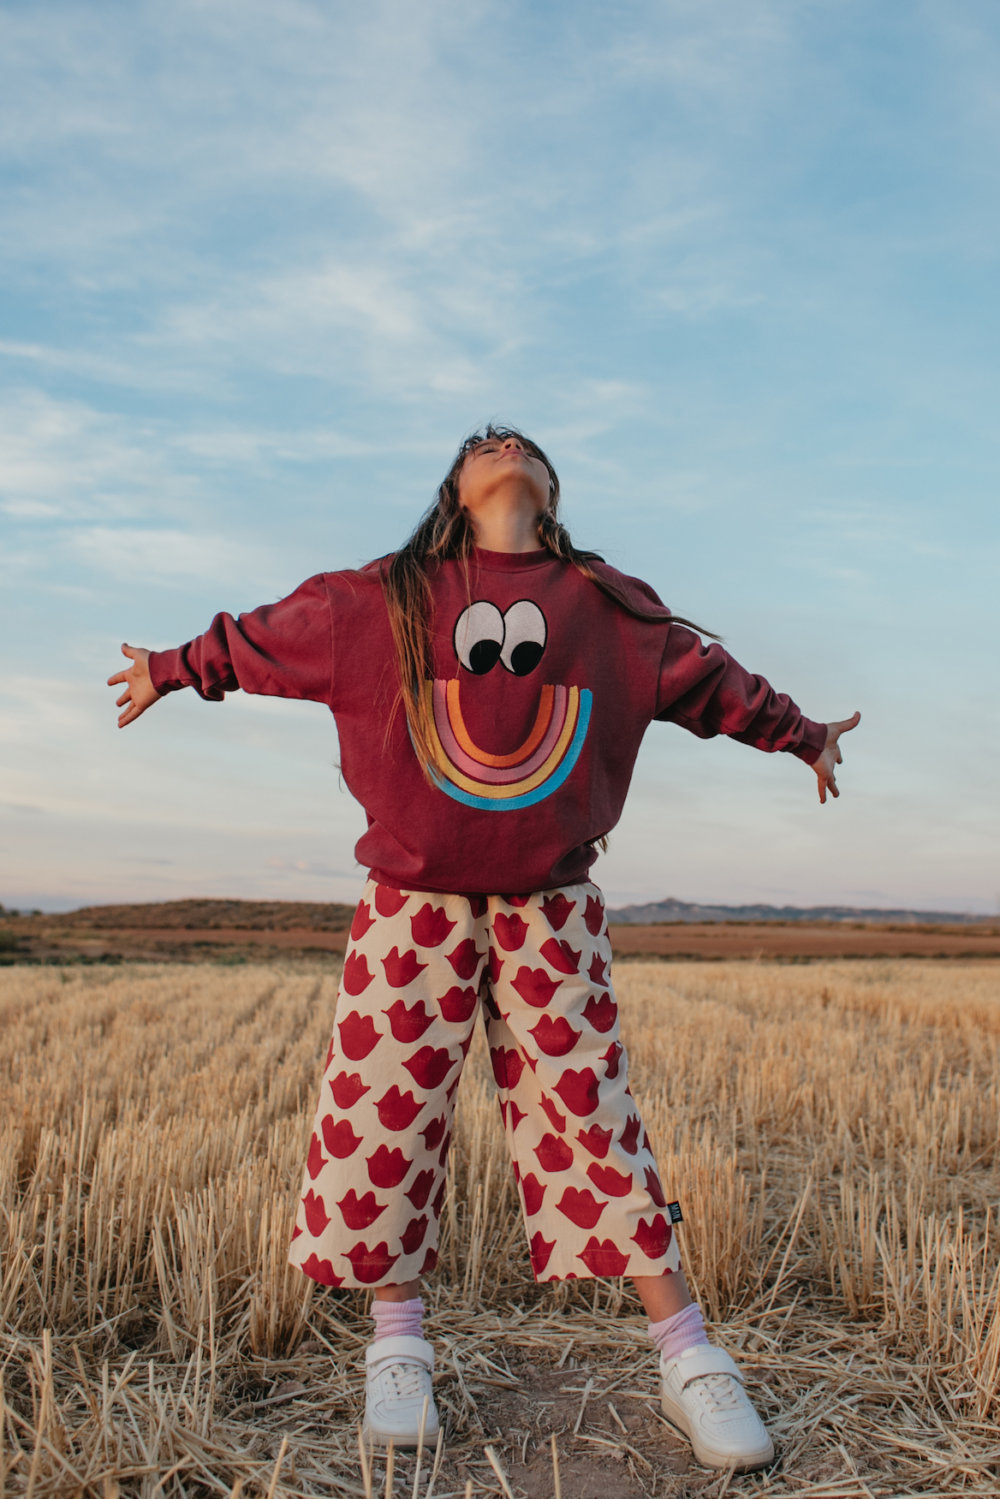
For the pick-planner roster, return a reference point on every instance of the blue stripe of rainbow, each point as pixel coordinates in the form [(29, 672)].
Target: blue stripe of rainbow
[(551, 783)]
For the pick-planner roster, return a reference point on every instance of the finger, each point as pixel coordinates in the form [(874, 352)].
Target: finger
[(119, 676), (120, 702), (128, 650)]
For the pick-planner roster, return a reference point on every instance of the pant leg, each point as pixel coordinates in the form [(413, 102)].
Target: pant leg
[(374, 1178), (590, 1191)]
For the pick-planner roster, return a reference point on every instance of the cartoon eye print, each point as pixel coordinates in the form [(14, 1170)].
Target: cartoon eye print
[(484, 636), (524, 637), (479, 637)]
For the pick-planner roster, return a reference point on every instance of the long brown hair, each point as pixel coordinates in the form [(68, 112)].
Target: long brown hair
[(445, 532)]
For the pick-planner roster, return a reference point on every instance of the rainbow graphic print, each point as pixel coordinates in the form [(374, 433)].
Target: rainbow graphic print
[(506, 783)]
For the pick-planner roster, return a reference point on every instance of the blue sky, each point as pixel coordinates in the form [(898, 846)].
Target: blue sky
[(263, 263)]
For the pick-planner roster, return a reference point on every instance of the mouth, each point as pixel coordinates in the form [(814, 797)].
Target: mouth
[(507, 782)]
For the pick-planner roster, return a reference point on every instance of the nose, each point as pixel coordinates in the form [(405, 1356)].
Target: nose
[(513, 442)]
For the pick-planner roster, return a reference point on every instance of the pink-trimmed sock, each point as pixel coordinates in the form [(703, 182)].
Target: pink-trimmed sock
[(398, 1319), (684, 1329)]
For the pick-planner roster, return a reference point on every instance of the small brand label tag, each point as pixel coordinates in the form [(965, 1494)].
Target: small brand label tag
[(674, 1209)]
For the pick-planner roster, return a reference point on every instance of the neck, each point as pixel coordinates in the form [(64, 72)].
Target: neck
[(506, 530)]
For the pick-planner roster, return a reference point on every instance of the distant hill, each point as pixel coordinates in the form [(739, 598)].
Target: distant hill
[(682, 910), (211, 915)]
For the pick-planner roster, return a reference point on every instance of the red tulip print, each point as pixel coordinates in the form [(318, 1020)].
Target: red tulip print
[(556, 909), (609, 1181), (414, 1233), (339, 1138), (363, 921), (389, 901), (321, 1271), (554, 1154), (408, 1023), (360, 1212), (357, 974), (597, 970), (555, 1037), (510, 931), (430, 926), (508, 1064), (612, 1059), (429, 1066), (654, 1188), (652, 1236), (398, 1110), (386, 1168), (465, 958), (358, 1036), (347, 1088), (629, 1141), (581, 1208), (477, 905), (401, 968), (329, 1052), (596, 1140), (494, 963), (600, 1012), (315, 1160), (535, 986), (430, 1260), (515, 900), (514, 1115), (370, 1265), (578, 1090), (560, 956), (434, 1133), (458, 1004), (533, 1191), (603, 1258), (593, 916), (421, 1189), (552, 1114), (317, 1216), (540, 1250)]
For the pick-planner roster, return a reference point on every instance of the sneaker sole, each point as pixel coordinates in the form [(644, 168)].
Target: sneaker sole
[(709, 1457), (399, 1439)]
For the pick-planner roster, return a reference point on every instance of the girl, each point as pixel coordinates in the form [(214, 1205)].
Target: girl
[(491, 685)]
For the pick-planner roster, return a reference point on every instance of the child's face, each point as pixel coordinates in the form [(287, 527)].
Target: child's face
[(502, 469)]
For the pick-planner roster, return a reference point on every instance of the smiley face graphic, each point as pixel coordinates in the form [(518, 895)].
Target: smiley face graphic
[(515, 640)]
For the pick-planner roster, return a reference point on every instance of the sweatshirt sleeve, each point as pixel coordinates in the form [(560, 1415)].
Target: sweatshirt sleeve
[(705, 690), (279, 650)]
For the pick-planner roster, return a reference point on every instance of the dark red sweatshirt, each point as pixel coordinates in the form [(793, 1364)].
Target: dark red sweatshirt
[(543, 688)]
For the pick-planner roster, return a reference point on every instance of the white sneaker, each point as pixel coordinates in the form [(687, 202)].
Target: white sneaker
[(398, 1396), (702, 1395)]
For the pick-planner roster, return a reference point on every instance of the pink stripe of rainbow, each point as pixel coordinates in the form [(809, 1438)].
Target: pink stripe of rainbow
[(488, 774)]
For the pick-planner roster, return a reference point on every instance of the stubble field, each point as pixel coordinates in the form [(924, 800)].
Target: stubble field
[(830, 1129)]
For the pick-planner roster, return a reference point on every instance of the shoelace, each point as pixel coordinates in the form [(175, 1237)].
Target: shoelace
[(721, 1392), (406, 1379)]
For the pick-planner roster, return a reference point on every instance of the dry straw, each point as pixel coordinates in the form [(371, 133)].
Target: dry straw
[(831, 1132)]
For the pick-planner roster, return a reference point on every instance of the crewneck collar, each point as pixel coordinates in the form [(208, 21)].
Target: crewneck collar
[(510, 562)]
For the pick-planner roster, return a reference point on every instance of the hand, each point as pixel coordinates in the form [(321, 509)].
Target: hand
[(139, 693), (830, 756)]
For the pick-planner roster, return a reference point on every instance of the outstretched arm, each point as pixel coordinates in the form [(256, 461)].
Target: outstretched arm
[(139, 693), (830, 755)]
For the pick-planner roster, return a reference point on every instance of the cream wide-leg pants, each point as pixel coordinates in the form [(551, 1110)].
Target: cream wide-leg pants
[(416, 968)]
